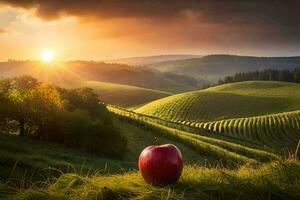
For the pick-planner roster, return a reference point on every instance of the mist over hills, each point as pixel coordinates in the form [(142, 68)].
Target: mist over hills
[(67, 73), (172, 73), (145, 60), (211, 68)]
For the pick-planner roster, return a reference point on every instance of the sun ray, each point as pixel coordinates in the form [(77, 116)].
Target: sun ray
[(47, 56)]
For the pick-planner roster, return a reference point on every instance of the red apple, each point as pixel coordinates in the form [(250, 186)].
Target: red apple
[(160, 165)]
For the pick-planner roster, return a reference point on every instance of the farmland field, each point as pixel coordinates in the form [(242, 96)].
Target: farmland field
[(256, 110), (229, 101), (221, 157), (123, 95)]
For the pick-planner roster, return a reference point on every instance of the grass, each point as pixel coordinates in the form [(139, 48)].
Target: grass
[(139, 138), (217, 147), (247, 99), (216, 166), (277, 180), (278, 129), (27, 157), (260, 88), (123, 95), (258, 173), (31, 158), (265, 111)]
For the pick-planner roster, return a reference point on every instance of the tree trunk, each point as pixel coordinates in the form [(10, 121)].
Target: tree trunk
[(22, 127)]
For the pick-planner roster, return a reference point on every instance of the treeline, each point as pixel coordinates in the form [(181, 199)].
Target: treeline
[(74, 117), (269, 74)]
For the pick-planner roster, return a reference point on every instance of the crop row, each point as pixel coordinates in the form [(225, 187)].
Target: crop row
[(217, 147), (277, 127)]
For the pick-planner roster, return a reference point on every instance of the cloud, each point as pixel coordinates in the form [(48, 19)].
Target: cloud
[(3, 30), (280, 14), (190, 22), (230, 11)]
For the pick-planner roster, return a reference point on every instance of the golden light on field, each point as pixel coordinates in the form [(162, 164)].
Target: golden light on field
[(47, 56)]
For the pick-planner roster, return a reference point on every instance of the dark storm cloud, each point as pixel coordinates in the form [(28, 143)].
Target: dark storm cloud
[(231, 11), (281, 17)]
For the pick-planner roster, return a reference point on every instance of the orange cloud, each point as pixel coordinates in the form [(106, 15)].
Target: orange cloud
[(120, 28), (3, 30)]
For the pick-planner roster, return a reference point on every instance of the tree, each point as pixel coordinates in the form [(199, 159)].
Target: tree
[(43, 104), (13, 93), (269, 74), (18, 90), (76, 118), (296, 76)]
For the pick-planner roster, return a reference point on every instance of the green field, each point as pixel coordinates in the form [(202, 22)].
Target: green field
[(225, 102), (216, 146), (256, 110), (84, 176), (123, 95), (32, 157), (260, 88), (238, 141), (282, 128), (278, 180)]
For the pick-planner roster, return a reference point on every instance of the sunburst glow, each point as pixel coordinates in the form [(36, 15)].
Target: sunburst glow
[(47, 56)]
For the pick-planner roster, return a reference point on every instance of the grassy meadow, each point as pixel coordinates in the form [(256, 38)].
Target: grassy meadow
[(42, 170), (278, 180), (238, 141), (123, 95), (25, 156), (227, 101)]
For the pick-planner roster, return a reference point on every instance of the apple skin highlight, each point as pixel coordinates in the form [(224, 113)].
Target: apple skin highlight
[(161, 165)]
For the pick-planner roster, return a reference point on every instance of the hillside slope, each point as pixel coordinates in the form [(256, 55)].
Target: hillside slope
[(235, 100), (277, 180), (145, 60), (259, 88), (21, 155), (214, 67), (104, 178), (123, 95), (66, 74)]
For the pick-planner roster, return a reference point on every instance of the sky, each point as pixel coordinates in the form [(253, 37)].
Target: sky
[(110, 29)]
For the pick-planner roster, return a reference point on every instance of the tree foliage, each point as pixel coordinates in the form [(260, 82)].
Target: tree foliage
[(72, 117), (269, 74)]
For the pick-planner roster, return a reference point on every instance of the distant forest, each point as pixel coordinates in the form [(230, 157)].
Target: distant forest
[(268, 74)]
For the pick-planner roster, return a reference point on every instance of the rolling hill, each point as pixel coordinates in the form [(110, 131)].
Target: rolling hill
[(216, 166), (214, 67), (66, 74), (243, 99), (69, 174), (103, 178), (145, 60), (266, 111), (34, 157), (123, 95)]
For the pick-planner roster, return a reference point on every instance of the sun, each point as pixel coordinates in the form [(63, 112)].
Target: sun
[(47, 56)]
